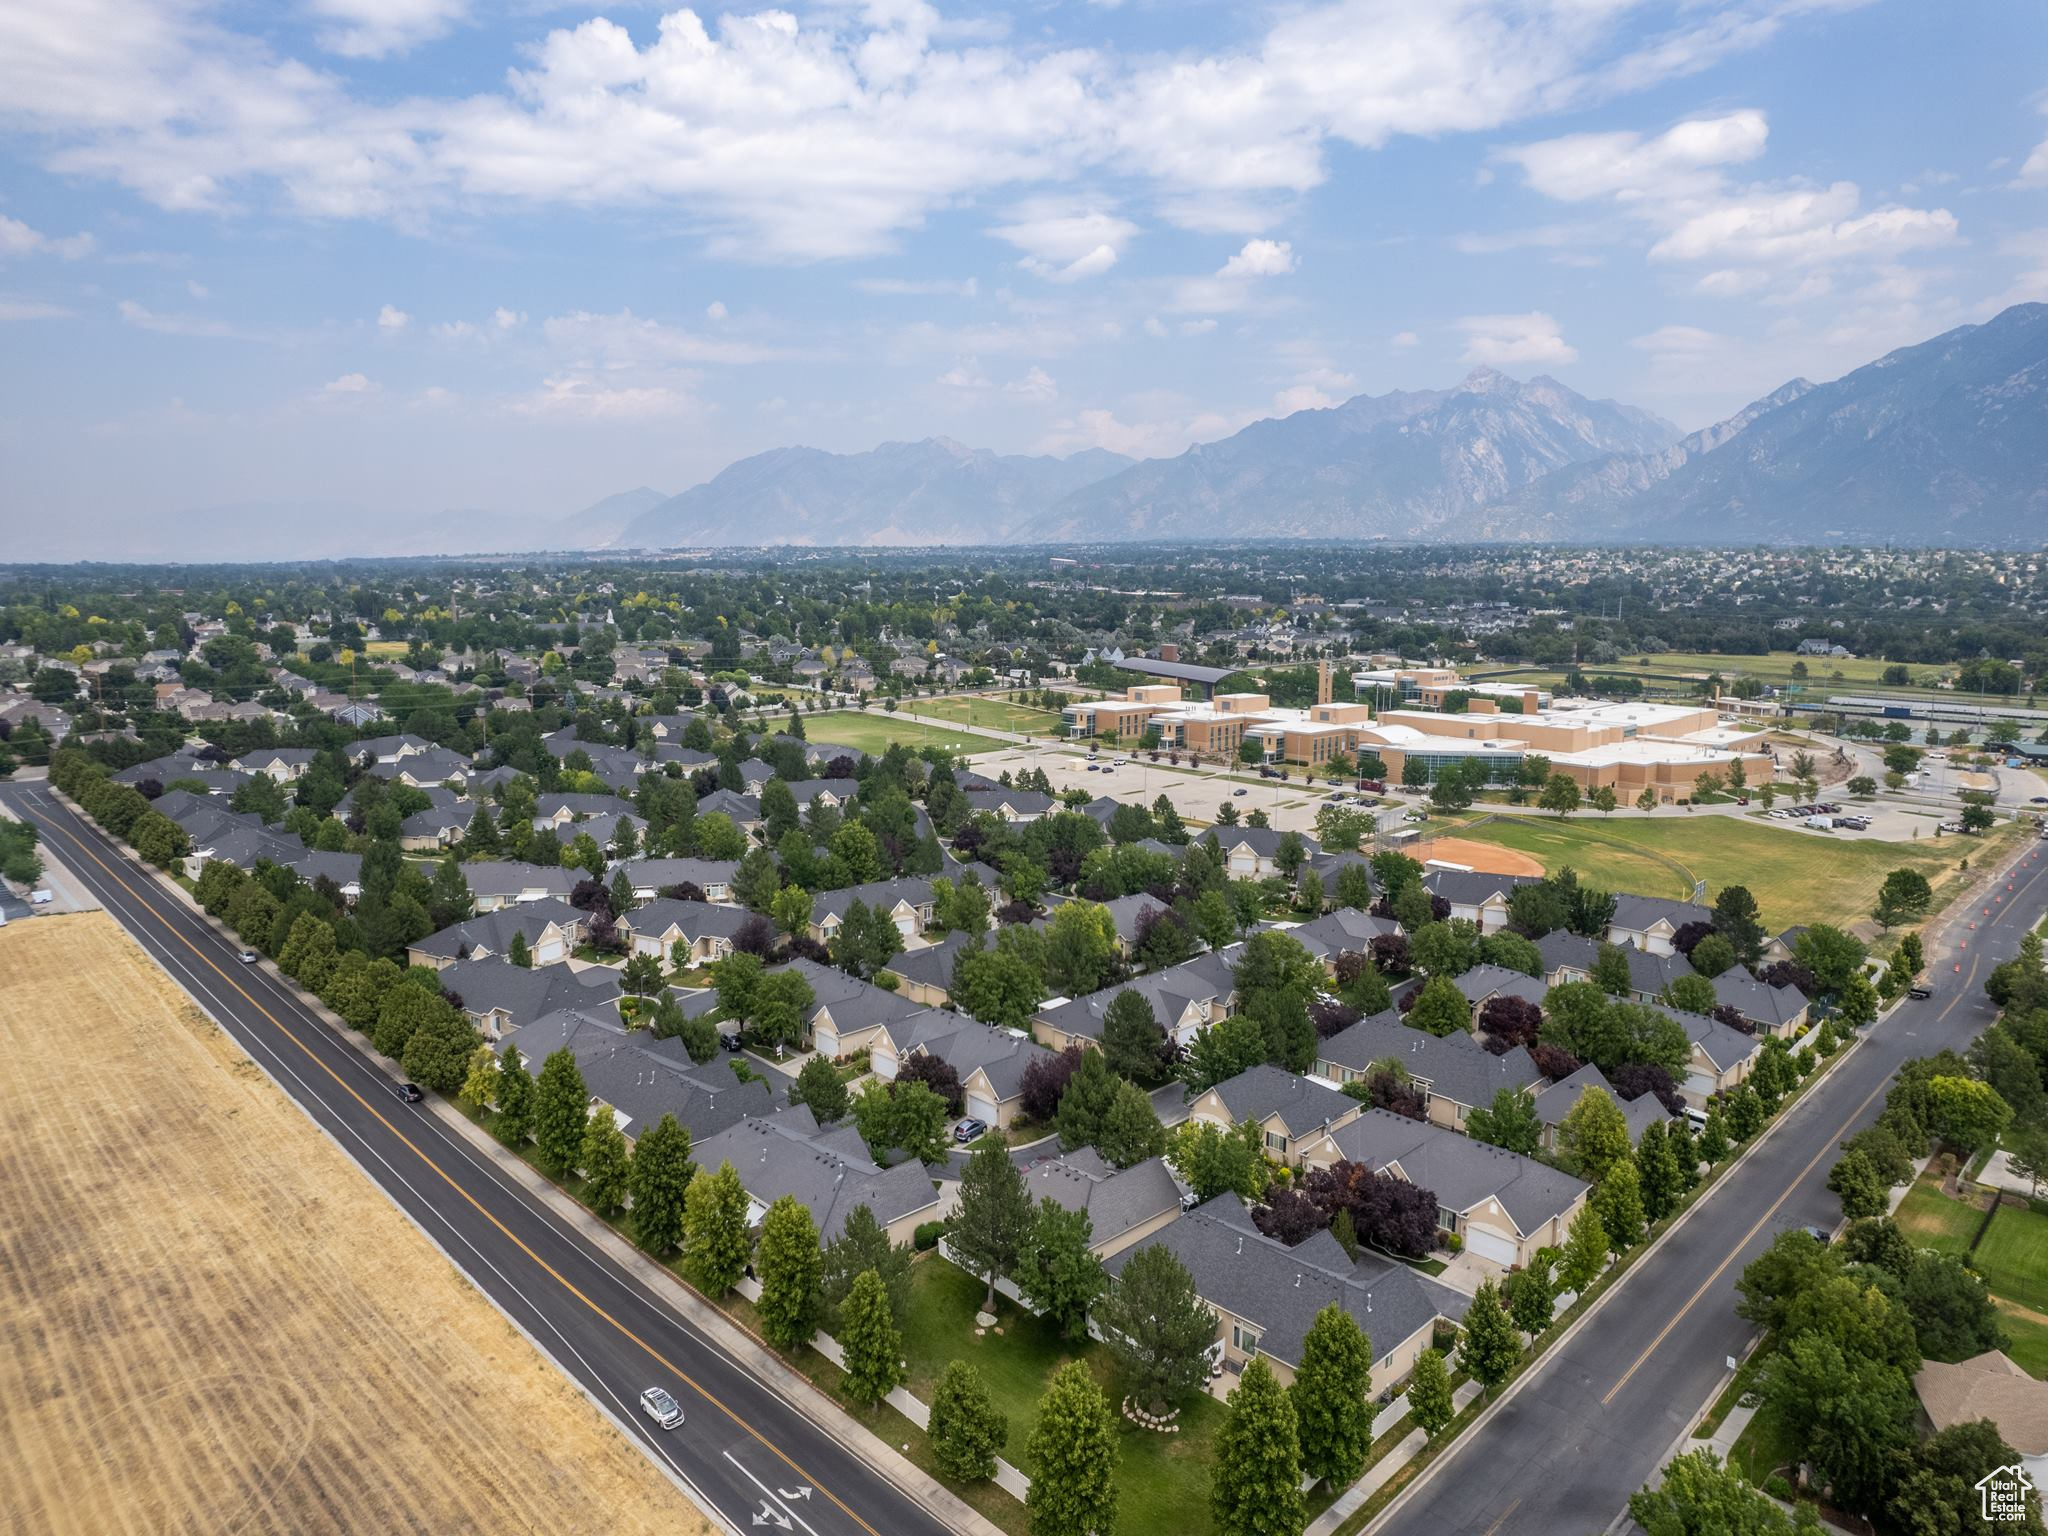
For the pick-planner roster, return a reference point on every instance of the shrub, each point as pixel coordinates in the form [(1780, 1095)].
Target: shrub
[(927, 1235)]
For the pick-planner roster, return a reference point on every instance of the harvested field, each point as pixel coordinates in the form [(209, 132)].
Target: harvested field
[(1491, 858), (211, 1321)]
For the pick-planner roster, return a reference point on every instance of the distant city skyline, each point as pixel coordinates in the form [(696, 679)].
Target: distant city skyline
[(399, 275)]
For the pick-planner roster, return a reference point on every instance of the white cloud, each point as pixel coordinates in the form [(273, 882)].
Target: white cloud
[(1036, 385), (1064, 242), (1260, 258), (507, 319), (1507, 340), (1731, 282), (2034, 171), (627, 340), (1404, 339), (144, 319), (1201, 327), (715, 310), (965, 376), (198, 290), (457, 330), (580, 397), (18, 239), (1582, 166), (1802, 226), (348, 384), (1679, 343), (1301, 397), (390, 318), (30, 309), (911, 287), (373, 29)]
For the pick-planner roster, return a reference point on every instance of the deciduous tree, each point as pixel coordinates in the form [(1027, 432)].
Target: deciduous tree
[(1056, 1272), (1332, 1395), (967, 1429), (872, 1347), (789, 1265), (1158, 1327), (1072, 1456), (715, 1229), (1255, 1483)]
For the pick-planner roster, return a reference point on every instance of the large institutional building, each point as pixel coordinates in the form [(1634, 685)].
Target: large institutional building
[(1628, 747)]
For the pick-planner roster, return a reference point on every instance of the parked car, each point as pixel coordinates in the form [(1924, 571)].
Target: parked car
[(1920, 994), (970, 1129), (1238, 792), (730, 1039), (247, 957), (661, 1407), (411, 1092)]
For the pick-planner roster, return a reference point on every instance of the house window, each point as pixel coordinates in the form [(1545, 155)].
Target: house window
[(1446, 1218), (1275, 1142), (1244, 1340)]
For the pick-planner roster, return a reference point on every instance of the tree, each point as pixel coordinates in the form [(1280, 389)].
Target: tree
[(782, 1006), (561, 1108), (1132, 1039), (1691, 993), (1967, 1114), (1711, 956), (1255, 1485), (1738, 920), (1604, 800), (967, 1429), (1848, 1414), (872, 1347), (480, 1086), (641, 975), (404, 1010), (1429, 1394), (607, 1165), (862, 1245), (1440, 1008), (737, 977), (1855, 1179), (1935, 1490), (1700, 1497), (1157, 1327), (660, 1181), (1661, 1179), (1212, 1160), (997, 986), (1080, 948), (789, 1265), (1647, 800), (309, 955), (1904, 897), (902, 1114), (1594, 1134), (1713, 1139), (438, 1054), (1332, 1396), (790, 909), (994, 1217), (715, 1229), (820, 1086), (1610, 971), (1086, 1103), (1488, 1348), (1585, 1252), (514, 1121), (1857, 1003), (1560, 795), (1510, 1122), (1619, 1202), (1444, 949), (1056, 1272), (518, 952), (1531, 1300), (867, 940), (1131, 1131), (159, 839), (1831, 955), (1072, 1455)]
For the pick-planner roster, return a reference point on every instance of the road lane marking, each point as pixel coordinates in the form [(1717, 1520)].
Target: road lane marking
[(510, 1236)]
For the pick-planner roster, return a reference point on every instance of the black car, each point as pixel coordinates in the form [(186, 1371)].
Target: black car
[(729, 1040), (1920, 994), (412, 1093)]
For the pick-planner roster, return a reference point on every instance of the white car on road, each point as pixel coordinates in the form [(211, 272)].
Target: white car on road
[(661, 1407)]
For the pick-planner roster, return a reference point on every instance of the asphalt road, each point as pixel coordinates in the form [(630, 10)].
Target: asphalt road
[(1595, 1420), (754, 1457)]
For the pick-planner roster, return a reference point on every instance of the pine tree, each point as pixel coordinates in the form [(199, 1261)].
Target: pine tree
[(1657, 1171), (715, 1230), (1585, 1252), (1332, 1395), (1255, 1488), (1090, 1093), (660, 1180), (967, 1428), (561, 1109), (1429, 1394), (518, 952), (1619, 1200), (1488, 1347), (1131, 1036), (872, 1346), (1072, 1454), (1158, 1327), (994, 1215), (515, 1100), (1131, 1131), (607, 1165), (789, 1264)]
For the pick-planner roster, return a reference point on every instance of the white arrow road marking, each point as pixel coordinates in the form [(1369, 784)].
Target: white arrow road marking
[(769, 1502), (803, 1491), (768, 1512)]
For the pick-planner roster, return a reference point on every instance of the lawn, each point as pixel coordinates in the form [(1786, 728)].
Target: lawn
[(2029, 1334), (1931, 1219), (990, 715), (2013, 1257), (1163, 1480), (872, 732), (1796, 876)]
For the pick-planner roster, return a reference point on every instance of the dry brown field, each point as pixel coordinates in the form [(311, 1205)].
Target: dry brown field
[(212, 1322)]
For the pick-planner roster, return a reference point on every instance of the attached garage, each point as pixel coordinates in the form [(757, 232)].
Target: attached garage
[(550, 951), (981, 1107), (882, 1062), (906, 925), (1490, 1245)]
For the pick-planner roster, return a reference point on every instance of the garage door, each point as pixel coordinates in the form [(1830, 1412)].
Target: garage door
[(882, 1062), (550, 952), (1490, 1245), (981, 1107), (906, 925)]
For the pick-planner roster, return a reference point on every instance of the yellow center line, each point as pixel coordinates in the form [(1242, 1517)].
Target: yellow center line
[(553, 1273)]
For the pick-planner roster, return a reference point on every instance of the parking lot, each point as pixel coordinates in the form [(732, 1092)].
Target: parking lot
[(1195, 793)]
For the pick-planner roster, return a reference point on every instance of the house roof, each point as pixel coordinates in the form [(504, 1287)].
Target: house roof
[(966, 1044), (913, 889), (1562, 949), (1556, 1101), (656, 873), (502, 877), (1302, 1104), (493, 931), (1987, 1386), (1455, 1066), (741, 808), (496, 985), (855, 1004), (1459, 1171), (1471, 887), (436, 819), (1722, 1044), (580, 804), (694, 919), (1638, 913), (1345, 930), (784, 1154), (1486, 981), (1280, 1289), (1208, 977), (643, 1078), (1024, 802), (933, 964), (1117, 1201), (1756, 1002)]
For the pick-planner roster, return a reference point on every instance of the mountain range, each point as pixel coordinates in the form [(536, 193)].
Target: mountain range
[(1940, 443)]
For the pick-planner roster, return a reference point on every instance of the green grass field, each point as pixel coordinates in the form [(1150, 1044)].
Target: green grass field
[(1776, 668), (1162, 1481), (2029, 1334), (990, 715), (1930, 1219), (2013, 1257), (872, 732), (1796, 877)]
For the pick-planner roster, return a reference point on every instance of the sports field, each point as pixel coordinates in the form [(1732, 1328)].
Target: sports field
[(1775, 667), (1796, 877), (210, 1320), (872, 731), (990, 715)]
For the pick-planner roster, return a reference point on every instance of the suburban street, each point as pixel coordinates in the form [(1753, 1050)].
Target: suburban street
[(1593, 1422), (754, 1458)]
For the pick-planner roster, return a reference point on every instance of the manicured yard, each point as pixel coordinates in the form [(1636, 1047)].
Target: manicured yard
[(2029, 1334), (2013, 1257), (1931, 1219), (1762, 1448), (872, 732), (1163, 1480), (989, 714), (1796, 877)]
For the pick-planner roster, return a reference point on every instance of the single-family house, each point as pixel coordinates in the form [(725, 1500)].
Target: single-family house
[(1012, 805), (1345, 930), (1290, 1110), (990, 1061), (1185, 998), (552, 929), (925, 975), (907, 900), (1455, 1073), (1124, 1205), (499, 996), (1474, 895), (495, 883), (1253, 853), (1990, 1386), (1652, 922), (650, 877), (284, 764), (786, 1154), (638, 1079), (1561, 1098), (704, 929), (1771, 1010), (435, 828), (848, 1014)]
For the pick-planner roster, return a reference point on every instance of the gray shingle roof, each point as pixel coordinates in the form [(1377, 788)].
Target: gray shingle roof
[(1459, 1171), (502, 877), (1346, 929), (1485, 981), (1169, 992), (492, 931), (1556, 1101), (1640, 912), (1303, 1104), (489, 986), (1456, 1067), (694, 919), (1756, 1002), (784, 1154), (914, 889), (1116, 1201), (1471, 888), (641, 1077)]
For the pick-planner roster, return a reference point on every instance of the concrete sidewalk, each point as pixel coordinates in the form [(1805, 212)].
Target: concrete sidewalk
[(1405, 1450)]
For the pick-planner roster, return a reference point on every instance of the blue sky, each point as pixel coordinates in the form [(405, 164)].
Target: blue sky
[(322, 276)]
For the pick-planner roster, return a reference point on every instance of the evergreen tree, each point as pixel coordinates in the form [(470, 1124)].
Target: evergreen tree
[(1131, 1131), (872, 1347), (1610, 970), (820, 1086), (660, 1179), (482, 840), (607, 1165), (1332, 1395), (1429, 1394), (518, 952), (789, 1265), (1158, 1327), (715, 1229), (1658, 1172), (515, 1100), (967, 1428), (1619, 1200), (1091, 1091), (1072, 1456), (1255, 1486), (1131, 1037), (1488, 1348), (863, 1245), (620, 893), (561, 1109), (994, 1216), (1585, 1252)]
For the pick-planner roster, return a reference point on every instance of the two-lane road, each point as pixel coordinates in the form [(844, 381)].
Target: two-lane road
[(752, 1456), (1593, 1422)]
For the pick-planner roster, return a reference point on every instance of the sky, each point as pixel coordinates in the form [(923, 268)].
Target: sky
[(309, 277)]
